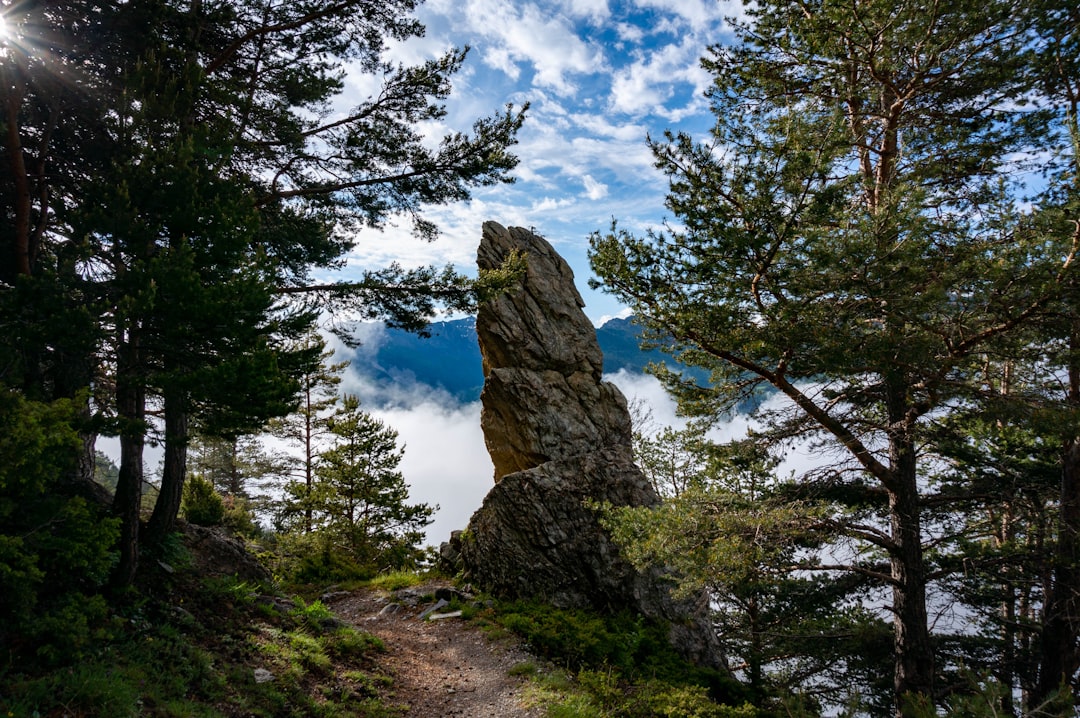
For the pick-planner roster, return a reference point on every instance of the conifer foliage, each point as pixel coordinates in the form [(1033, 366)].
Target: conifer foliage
[(851, 236), (174, 171), (360, 497)]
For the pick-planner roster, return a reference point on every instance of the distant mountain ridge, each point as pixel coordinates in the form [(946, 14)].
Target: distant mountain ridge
[(449, 359)]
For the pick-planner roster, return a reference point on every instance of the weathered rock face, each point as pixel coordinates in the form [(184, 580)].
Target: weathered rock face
[(559, 437), (543, 397)]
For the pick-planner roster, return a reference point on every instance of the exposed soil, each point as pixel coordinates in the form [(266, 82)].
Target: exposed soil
[(440, 667)]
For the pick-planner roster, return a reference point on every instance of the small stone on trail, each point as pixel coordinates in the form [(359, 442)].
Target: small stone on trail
[(438, 616), (331, 623), (408, 596), (441, 603), (263, 676), (279, 604)]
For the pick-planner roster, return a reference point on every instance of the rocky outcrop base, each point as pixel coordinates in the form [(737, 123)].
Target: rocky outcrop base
[(537, 537)]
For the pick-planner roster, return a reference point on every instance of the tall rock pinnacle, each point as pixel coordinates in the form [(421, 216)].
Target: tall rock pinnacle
[(559, 437), (543, 397)]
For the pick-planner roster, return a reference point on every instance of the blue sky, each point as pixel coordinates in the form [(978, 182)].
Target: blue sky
[(600, 75)]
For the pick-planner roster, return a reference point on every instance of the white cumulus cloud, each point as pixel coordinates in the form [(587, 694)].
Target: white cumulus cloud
[(594, 190), (594, 10), (698, 14), (648, 84), (445, 462), (535, 35)]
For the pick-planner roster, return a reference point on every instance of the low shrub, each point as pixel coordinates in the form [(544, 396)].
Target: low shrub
[(586, 639), (625, 666), (202, 505), (239, 518), (602, 694), (56, 545), (328, 566)]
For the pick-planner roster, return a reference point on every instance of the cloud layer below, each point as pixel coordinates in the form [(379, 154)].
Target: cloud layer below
[(446, 462)]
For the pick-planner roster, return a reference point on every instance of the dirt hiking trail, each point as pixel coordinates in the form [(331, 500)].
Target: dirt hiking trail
[(440, 667)]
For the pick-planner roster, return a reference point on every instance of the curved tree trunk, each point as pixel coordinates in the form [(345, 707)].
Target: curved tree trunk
[(174, 469)]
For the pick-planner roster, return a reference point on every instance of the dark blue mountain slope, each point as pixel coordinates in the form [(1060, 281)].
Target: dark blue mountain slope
[(449, 359)]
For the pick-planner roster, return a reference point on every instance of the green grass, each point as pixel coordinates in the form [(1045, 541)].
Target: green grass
[(183, 647), (230, 588), (396, 580), (612, 666), (388, 582), (346, 643), (602, 694), (525, 668)]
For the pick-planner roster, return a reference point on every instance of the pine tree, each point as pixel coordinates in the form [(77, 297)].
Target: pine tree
[(56, 542), (360, 497), (849, 238), (240, 468), (305, 428), (172, 200), (1057, 65), (1003, 475), (731, 528)]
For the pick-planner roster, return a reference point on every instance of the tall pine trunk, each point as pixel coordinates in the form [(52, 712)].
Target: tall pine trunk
[(174, 468), (131, 410), (1006, 671), (914, 652), (309, 454), (1059, 657)]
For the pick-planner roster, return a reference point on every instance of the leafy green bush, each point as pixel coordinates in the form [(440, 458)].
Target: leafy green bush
[(604, 694), (668, 701), (625, 665), (329, 566), (66, 627), (85, 689), (56, 547), (584, 639), (239, 517), (201, 503)]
